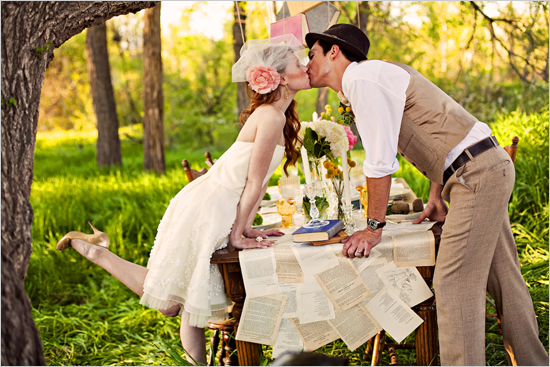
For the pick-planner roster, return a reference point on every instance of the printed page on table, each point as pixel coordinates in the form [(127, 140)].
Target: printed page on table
[(313, 303), (314, 259), (406, 283), (361, 263), (395, 317), (343, 285), (290, 291), (260, 319), (288, 339), (286, 265), (414, 249), (258, 271), (371, 278), (355, 326), (315, 334)]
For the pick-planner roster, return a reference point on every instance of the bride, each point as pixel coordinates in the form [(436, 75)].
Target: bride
[(220, 206)]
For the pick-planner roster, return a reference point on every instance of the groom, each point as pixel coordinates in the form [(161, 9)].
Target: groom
[(397, 110)]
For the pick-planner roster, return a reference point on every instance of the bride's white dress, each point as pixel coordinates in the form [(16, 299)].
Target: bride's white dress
[(198, 222)]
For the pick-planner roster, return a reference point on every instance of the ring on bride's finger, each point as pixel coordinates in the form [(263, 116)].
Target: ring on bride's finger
[(358, 252), (259, 239)]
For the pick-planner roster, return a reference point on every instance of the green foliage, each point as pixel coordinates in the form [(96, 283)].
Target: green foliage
[(38, 51), (9, 102), (258, 219)]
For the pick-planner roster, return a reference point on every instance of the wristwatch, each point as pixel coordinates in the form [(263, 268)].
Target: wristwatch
[(373, 224)]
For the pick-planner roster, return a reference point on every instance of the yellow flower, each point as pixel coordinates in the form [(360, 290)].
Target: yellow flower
[(340, 110), (330, 172), (327, 107), (348, 109), (327, 176), (352, 164), (349, 160), (326, 164)]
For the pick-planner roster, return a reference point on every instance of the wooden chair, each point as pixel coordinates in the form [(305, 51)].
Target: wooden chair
[(224, 332), (193, 173)]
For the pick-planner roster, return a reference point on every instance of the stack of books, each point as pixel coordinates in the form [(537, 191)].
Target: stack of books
[(325, 235)]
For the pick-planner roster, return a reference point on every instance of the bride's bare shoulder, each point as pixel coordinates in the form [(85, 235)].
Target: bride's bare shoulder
[(268, 112)]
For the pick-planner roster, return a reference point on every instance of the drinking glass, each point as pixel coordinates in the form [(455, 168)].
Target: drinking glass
[(286, 209), (358, 180)]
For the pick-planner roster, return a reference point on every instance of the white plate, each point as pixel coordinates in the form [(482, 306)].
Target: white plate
[(401, 217), (275, 195), (270, 220)]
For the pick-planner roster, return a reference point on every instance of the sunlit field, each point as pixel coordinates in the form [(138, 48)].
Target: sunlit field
[(86, 317)]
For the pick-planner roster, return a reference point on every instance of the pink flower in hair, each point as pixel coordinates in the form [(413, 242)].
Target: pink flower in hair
[(352, 139), (263, 79)]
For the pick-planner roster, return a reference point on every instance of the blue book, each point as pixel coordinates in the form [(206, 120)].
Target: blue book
[(323, 233)]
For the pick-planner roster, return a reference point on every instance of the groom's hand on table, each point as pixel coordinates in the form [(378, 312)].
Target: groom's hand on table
[(360, 243)]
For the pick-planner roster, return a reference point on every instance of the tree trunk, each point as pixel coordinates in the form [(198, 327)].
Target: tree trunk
[(30, 33), (153, 97), (99, 73), (243, 101), (322, 99)]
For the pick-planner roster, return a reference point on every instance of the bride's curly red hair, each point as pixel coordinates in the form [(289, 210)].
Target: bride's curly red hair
[(292, 125)]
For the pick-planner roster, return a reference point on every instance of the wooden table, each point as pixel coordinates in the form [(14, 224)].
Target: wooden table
[(426, 344)]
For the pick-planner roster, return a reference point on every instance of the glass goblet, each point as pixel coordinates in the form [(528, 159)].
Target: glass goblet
[(286, 209)]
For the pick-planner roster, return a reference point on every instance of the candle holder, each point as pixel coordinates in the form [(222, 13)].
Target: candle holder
[(313, 211), (349, 223)]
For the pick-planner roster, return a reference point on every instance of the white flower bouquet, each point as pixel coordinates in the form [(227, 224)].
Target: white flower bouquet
[(324, 138)]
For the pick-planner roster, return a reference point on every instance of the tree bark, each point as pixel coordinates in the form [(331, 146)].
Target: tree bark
[(99, 73), (322, 99), (30, 33), (243, 101), (153, 114)]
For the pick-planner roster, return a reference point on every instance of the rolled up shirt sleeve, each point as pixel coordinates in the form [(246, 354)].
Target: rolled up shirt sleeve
[(377, 96)]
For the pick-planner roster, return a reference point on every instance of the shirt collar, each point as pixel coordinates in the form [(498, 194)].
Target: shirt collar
[(346, 78)]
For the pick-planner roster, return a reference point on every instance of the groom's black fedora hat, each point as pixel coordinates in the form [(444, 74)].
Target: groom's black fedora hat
[(346, 36)]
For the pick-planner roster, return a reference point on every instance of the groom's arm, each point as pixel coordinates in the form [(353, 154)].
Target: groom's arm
[(378, 192)]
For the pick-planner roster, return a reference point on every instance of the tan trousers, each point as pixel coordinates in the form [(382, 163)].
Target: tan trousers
[(478, 254)]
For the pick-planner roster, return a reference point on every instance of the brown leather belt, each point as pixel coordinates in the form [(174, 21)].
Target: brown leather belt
[(463, 158)]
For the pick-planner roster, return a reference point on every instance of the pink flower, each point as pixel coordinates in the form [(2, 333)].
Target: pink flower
[(352, 139), (262, 79)]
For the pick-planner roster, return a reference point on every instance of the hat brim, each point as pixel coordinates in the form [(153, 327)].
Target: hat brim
[(311, 38)]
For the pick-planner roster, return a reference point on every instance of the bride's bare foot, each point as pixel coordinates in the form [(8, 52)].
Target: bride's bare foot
[(86, 249), (246, 243), (172, 311)]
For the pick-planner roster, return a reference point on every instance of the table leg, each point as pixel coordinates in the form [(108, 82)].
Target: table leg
[(427, 345), (247, 353)]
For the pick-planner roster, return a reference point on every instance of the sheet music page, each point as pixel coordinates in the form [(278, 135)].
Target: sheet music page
[(315, 259), (406, 283), (290, 290), (361, 263), (371, 278), (343, 285), (287, 339), (315, 334), (258, 270), (355, 326), (414, 249), (261, 318), (286, 265), (313, 303), (395, 317)]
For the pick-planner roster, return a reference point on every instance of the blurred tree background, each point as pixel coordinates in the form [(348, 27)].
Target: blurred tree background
[(491, 57)]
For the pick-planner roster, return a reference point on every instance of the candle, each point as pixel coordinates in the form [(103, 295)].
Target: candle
[(305, 164), (345, 171)]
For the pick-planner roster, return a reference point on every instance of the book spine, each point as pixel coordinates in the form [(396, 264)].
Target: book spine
[(335, 229)]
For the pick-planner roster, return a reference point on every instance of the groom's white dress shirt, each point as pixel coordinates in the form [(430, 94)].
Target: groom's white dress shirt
[(376, 91)]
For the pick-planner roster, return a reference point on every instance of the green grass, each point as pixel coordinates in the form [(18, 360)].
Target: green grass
[(86, 317)]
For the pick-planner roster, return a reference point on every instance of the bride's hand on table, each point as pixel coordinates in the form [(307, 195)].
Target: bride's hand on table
[(246, 243), (254, 233)]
